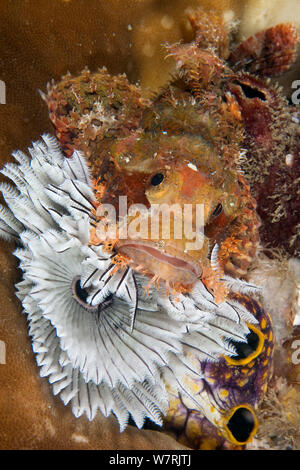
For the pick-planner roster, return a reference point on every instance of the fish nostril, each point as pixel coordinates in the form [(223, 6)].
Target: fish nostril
[(242, 424)]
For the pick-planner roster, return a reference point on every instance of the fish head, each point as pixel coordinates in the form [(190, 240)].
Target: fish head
[(181, 199)]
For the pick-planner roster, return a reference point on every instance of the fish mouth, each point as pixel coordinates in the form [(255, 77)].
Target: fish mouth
[(139, 249)]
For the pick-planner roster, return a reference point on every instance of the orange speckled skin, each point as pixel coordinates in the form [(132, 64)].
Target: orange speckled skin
[(197, 119)]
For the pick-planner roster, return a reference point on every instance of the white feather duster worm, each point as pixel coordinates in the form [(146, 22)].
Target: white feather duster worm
[(99, 340)]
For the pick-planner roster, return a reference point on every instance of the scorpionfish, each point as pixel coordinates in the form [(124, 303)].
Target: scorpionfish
[(183, 146)]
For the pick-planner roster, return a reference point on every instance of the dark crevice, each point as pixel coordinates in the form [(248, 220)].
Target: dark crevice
[(251, 92), (244, 350), (241, 424)]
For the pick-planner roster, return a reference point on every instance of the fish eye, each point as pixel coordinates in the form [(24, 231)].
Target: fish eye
[(157, 179), (217, 210)]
